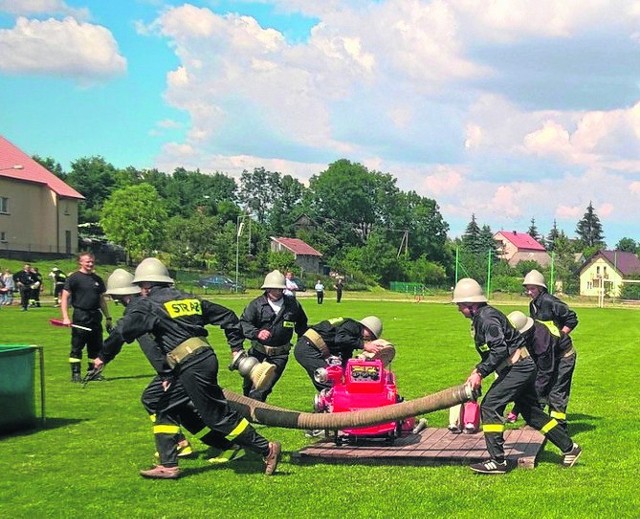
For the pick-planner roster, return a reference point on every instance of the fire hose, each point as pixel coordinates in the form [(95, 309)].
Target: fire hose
[(267, 414)]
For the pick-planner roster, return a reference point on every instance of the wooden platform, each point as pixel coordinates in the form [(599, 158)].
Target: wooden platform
[(430, 447)]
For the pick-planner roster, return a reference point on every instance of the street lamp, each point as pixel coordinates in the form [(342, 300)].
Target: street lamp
[(239, 229), (15, 166)]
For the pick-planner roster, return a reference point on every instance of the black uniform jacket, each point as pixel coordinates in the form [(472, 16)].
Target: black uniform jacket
[(543, 347), (258, 315), (495, 338), (549, 310), (341, 335), (171, 317)]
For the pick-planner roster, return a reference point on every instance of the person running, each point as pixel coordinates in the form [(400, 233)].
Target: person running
[(502, 350), (561, 321), (177, 321)]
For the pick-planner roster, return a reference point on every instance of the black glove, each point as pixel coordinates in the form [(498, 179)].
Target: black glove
[(109, 325)]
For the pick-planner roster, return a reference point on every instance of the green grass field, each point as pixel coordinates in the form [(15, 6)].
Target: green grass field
[(86, 461)]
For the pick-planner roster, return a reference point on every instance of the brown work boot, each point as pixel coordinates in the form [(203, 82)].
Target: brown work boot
[(271, 460), (161, 472)]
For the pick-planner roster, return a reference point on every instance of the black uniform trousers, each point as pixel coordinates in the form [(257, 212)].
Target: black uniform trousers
[(279, 361), (310, 358), (517, 384), (179, 411), (199, 378), (561, 386), (81, 338)]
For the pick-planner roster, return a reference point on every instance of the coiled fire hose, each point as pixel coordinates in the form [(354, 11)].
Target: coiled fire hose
[(267, 414)]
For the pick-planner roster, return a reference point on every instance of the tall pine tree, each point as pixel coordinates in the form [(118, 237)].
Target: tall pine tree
[(472, 237), (589, 229), (552, 237)]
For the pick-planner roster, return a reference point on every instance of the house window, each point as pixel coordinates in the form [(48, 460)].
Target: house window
[(4, 205)]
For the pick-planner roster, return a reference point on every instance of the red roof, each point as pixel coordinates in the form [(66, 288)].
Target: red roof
[(297, 246), (521, 240), (31, 171)]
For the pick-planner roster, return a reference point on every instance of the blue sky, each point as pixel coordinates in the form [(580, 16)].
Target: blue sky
[(509, 109)]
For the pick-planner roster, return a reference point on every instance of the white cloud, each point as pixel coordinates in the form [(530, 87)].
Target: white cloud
[(42, 7), (491, 108), (67, 48)]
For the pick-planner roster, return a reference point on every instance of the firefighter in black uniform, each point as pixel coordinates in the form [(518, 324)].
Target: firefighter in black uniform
[(502, 350), (269, 322), (58, 277), (561, 320), (177, 320), (121, 288), (36, 287), (23, 280), (543, 348), (84, 291), (336, 338)]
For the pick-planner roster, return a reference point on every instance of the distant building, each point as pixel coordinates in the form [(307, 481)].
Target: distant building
[(38, 211), (514, 247), (308, 258), (607, 270)]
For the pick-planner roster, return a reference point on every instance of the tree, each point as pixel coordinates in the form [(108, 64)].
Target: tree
[(472, 237), (552, 237), (135, 218), (589, 229), (52, 165), (533, 232), (192, 240), (258, 190), (627, 245), (95, 179)]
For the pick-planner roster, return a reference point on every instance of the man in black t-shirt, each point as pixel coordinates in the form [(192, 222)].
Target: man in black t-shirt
[(84, 291)]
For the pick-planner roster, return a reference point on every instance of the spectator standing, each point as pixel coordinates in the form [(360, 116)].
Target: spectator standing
[(58, 279), (339, 286), (320, 292), (9, 288), (291, 287), (85, 291), (36, 287), (23, 281)]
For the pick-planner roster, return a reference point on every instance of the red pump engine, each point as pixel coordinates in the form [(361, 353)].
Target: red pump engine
[(362, 384)]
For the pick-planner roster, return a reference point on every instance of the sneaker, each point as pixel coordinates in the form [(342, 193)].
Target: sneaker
[(512, 417), (470, 429), (161, 472), (314, 433), (184, 449), (234, 453), (569, 458), (271, 460), (454, 429), (76, 377), (490, 467)]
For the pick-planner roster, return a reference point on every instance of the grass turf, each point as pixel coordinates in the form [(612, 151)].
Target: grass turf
[(86, 460)]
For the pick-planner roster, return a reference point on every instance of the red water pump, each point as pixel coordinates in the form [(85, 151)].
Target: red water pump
[(362, 384)]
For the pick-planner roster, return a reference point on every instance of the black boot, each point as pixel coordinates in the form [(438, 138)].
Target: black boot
[(75, 372)]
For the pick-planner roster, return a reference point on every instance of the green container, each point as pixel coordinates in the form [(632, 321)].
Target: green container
[(17, 388)]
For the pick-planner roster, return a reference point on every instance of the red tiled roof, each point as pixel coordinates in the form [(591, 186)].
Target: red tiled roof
[(521, 240), (31, 171), (297, 246)]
